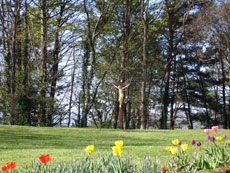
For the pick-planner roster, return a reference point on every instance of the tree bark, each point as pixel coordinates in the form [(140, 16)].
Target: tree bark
[(190, 120), (170, 56), (84, 82), (226, 121), (71, 94), (55, 65), (26, 57), (202, 87), (125, 36), (43, 68), (172, 119), (26, 42), (143, 110)]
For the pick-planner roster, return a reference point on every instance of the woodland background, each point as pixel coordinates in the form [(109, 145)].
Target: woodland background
[(58, 59)]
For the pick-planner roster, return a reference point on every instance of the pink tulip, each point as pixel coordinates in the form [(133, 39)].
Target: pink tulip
[(224, 136), (215, 128), (207, 131)]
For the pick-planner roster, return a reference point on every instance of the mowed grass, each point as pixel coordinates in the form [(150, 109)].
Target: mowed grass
[(23, 144)]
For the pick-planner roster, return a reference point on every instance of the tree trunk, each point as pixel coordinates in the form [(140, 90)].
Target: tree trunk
[(84, 83), (6, 53), (26, 56), (14, 40), (188, 112), (204, 96), (224, 96), (144, 67), (15, 54), (78, 120), (172, 119), (71, 94), (125, 36), (54, 70), (26, 42), (171, 55), (129, 114), (165, 100), (43, 68), (116, 113)]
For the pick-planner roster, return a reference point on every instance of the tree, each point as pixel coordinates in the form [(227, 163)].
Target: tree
[(94, 28)]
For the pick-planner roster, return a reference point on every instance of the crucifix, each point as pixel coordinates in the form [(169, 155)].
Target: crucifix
[(121, 86)]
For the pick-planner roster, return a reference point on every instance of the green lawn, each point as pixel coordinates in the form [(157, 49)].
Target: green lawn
[(24, 144)]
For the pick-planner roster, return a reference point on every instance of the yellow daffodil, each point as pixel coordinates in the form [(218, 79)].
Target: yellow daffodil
[(168, 149), (175, 142), (119, 143), (228, 142), (173, 150), (116, 151), (219, 138), (89, 149), (184, 147)]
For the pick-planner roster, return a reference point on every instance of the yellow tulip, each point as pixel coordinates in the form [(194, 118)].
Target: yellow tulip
[(116, 151), (89, 149), (119, 143), (228, 142), (184, 147), (168, 149), (219, 138), (175, 142), (174, 150)]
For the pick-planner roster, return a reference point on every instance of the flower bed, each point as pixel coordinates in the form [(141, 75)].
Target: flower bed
[(207, 158), (112, 163), (215, 158)]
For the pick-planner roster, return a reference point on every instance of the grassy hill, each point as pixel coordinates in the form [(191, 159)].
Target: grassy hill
[(24, 144)]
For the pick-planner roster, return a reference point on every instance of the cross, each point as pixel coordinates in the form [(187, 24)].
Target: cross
[(121, 86)]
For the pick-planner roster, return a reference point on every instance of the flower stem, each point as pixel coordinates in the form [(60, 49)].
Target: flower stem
[(119, 165)]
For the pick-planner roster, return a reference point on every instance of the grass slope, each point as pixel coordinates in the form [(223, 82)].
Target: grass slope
[(24, 144)]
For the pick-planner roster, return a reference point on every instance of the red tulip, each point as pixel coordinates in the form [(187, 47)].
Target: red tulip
[(12, 165), (44, 158), (163, 170), (5, 167), (8, 166)]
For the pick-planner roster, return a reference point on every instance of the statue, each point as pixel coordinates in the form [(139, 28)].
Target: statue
[(121, 86)]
